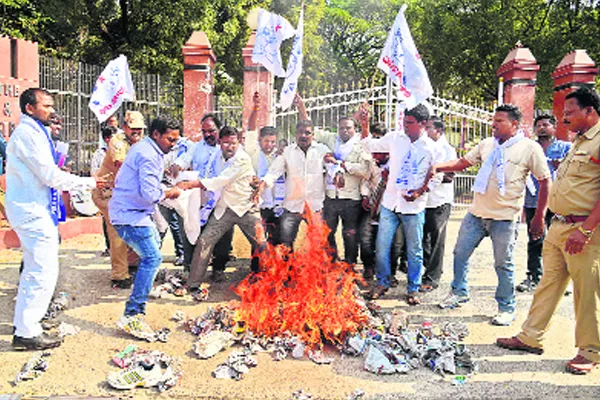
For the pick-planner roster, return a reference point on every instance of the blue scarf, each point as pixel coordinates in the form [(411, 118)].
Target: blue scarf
[(57, 207)]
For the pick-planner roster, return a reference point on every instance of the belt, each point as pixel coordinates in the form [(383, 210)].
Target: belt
[(570, 219)]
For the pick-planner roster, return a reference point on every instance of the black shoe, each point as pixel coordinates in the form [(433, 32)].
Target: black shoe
[(105, 253), (40, 342), (178, 261), (528, 285), (121, 283), (394, 282), (218, 276)]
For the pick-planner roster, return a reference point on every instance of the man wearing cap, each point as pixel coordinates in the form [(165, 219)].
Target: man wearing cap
[(119, 145), (555, 150)]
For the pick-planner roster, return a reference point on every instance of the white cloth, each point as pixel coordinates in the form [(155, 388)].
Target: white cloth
[(444, 193), (271, 31), (97, 159), (113, 86), (341, 151), (30, 172), (401, 61), (294, 67), (188, 205), (305, 181), (496, 159)]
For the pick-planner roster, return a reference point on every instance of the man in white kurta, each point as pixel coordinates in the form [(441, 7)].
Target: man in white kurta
[(33, 187)]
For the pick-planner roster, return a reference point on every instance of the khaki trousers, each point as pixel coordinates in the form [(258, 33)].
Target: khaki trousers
[(120, 255), (559, 267)]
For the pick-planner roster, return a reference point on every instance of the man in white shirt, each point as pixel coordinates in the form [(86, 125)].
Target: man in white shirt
[(304, 166), (411, 156), (34, 184), (437, 211), (228, 177)]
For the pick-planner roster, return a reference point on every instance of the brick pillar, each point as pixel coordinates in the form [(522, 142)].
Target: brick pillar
[(198, 81), (575, 70), (256, 79), (519, 71)]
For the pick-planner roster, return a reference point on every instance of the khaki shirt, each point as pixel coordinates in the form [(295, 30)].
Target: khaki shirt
[(117, 150), (357, 167), (577, 186), (520, 159)]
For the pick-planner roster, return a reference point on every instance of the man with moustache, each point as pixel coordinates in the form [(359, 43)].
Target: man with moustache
[(572, 246)]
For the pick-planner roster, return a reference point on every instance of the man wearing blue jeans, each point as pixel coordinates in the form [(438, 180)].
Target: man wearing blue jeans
[(135, 196), (499, 190), (407, 176)]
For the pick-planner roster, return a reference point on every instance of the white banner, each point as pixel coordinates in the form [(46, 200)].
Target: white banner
[(272, 30), (113, 86), (401, 61), (294, 68)]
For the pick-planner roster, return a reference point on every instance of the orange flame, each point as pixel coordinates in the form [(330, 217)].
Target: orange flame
[(303, 292)]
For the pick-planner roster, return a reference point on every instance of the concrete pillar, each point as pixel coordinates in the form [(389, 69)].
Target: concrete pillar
[(575, 70), (198, 81), (519, 71), (256, 79)]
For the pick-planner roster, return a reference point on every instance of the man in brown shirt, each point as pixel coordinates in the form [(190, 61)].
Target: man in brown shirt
[(133, 131), (572, 246)]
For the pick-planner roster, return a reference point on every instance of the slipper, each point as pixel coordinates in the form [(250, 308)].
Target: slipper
[(180, 292), (580, 365), (377, 292), (426, 288), (413, 299)]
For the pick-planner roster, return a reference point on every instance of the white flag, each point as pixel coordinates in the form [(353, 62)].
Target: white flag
[(402, 62), (113, 86), (272, 30), (294, 69)]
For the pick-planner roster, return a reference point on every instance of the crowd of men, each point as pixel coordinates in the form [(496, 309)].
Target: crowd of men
[(391, 191)]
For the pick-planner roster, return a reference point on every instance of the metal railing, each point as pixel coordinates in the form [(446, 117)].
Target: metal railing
[(71, 84), (463, 192)]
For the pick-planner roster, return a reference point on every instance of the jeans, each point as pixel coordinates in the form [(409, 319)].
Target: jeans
[(413, 232), (504, 236), (434, 243), (145, 241), (172, 219), (348, 211), (534, 246)]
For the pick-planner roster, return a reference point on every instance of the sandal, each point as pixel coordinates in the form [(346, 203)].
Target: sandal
[(426, 288), (377, 292), (180, 292), (580, 365), (413, 299)]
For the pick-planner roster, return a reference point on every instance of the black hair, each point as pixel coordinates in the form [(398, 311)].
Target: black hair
[(108, 131), (586, 97), (268, 131), (438, 123), (418, 112), (551, 118), (29, 96), (228, 131), (378, 128), (304, 123), (214, 118), (514, 114), (347, 118), (164, 123)]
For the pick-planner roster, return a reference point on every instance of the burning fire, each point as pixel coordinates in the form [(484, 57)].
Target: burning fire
[(303, 292)]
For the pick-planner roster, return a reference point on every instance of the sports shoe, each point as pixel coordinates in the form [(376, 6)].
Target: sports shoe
[(528, 285), (140, 375), (121, 283), (136, 326), (105, 253), (453, 300), (504, 318), (178, 262), (41, 342), (514, 343)]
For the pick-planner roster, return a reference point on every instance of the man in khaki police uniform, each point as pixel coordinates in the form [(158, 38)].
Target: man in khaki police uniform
[(119, 145), (572, 246)]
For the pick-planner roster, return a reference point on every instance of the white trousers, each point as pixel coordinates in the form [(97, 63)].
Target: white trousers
[(39, 242)]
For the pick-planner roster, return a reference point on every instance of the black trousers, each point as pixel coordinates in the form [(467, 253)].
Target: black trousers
[(349, 212), (534, 246), (368, 235), (434, 243), (220, 252)]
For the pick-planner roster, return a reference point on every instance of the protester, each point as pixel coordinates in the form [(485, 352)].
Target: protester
[(507, 158), (121, 258), (34, 185), (571, 246), (228, 179), (555, 150), (136, 193), (303, 165), (437, 211)]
